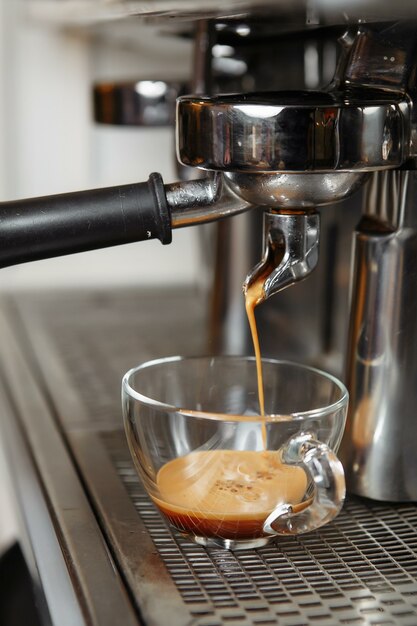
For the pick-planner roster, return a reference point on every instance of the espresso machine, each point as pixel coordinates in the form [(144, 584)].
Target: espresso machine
[(284, 154), (296, 150)]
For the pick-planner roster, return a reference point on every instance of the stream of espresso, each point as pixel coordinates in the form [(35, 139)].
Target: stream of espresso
[(253, 296)]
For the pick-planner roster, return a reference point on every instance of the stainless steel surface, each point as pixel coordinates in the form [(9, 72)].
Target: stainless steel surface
[(291, 242), (137, 103), (194, 202), (75, 556), (295, 191), (292, 132), (237, 247), (56, 597), (359, 570), (383, 57), (381, 436), (151, 585), (202, 57)]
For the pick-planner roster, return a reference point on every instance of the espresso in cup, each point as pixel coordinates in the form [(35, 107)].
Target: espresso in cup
[(227, 493)]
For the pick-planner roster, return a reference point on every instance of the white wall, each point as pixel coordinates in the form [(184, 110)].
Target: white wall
[(48, 143)]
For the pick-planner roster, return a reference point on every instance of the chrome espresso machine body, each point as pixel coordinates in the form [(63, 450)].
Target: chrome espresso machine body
[(284, 154)]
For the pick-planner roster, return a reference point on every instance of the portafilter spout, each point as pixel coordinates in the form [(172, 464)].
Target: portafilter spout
[(291, 251)]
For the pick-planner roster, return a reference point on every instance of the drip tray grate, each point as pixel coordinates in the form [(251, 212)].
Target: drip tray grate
[(359, 570)]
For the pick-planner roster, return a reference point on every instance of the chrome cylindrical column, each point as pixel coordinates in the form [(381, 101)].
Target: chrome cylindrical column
[(379, 447)]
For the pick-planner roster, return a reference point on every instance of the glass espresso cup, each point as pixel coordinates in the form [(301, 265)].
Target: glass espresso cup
[(218, 471)]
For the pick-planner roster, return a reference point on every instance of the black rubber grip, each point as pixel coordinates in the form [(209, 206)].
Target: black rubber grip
[(39, 228)]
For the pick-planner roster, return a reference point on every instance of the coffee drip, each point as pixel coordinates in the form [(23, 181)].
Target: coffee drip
[(254, 295)]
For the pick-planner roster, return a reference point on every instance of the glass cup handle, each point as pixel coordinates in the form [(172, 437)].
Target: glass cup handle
[(328, 480)]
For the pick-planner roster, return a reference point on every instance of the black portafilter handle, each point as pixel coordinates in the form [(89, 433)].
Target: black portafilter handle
[(40, 228)]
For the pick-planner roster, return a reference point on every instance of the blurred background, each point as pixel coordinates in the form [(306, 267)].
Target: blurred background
[(50, 144)]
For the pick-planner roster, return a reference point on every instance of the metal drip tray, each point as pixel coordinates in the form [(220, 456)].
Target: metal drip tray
[(359, 570)]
